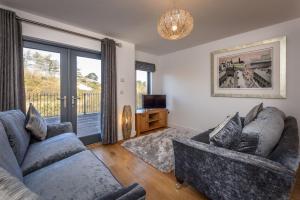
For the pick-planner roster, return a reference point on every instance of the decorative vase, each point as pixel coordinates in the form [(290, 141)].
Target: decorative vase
[(126, 122)]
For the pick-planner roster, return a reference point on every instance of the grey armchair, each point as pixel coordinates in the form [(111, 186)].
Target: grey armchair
[(225, 174)]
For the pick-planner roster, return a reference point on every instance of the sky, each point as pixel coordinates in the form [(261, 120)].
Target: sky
[(89, 65)]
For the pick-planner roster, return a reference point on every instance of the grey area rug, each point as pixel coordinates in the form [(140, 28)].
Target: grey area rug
[(157, 148)]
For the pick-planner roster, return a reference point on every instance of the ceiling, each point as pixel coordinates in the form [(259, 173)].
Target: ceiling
[(135, 20)]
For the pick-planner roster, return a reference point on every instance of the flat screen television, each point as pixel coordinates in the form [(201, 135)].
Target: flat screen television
[(154, 101)]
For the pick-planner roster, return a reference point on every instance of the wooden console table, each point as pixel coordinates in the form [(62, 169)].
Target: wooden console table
[(150, 119)]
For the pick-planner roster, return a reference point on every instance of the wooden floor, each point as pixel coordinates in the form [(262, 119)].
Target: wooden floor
[(128, 169)]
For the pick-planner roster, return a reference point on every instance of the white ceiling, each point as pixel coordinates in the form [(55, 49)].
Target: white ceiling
[(135, 20)]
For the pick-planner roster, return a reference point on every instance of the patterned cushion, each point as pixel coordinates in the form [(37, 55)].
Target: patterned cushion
[(227, 134), (253, 113), (13, 189), (8, 159), (263, 133), (36, 124), (14, 124)]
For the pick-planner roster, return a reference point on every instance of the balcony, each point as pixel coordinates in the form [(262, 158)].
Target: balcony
[(88, 110)]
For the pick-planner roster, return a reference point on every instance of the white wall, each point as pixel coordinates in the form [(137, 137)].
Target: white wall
[(185, 77), (125, 55), (150, 58)]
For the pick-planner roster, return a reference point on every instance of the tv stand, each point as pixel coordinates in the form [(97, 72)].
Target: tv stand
[(150, 119)]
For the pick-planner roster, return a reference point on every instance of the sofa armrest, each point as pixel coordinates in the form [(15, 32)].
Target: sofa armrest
[(132, 192), (225, 174), (57, 129)]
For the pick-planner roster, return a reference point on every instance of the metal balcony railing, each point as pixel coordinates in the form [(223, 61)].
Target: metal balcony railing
[(48, 104)]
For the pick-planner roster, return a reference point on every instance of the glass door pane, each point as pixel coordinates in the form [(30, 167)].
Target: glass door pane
[(88, 89), (141, 87), (43, 82)]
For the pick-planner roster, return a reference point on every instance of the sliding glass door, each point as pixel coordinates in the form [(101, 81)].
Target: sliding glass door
[(64, 84)]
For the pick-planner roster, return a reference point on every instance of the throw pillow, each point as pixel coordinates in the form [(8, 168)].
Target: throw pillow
[(13, 188), (253, 113), (36, 124), (261, 135), (248, 143), (227, 134)]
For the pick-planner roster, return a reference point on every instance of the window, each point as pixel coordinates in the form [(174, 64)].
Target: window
[(143, 86), (143, 80)]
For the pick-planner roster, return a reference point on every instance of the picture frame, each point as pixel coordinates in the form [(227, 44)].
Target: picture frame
[(255, 70)]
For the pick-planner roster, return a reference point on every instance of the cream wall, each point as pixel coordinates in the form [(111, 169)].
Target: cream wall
[(125, 55), (185, 78)]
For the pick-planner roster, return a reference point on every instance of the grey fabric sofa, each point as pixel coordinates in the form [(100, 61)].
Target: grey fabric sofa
[(225, 174), (58, 168)]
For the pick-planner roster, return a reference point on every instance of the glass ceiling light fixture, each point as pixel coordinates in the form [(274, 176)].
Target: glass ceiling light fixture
[(175, 24)]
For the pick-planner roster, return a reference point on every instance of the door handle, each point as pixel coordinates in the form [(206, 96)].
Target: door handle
[(63, 99), (74, 99)]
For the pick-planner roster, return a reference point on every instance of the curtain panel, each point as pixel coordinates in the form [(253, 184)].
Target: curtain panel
[(109, 134), (12, 90)]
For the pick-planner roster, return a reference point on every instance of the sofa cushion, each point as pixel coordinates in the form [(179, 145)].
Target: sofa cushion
[(51, 150), (227, 134), (14, 124), (267, 128), (8, 159), (36, 124), (57, 129), (12, 188), (82, 176), (248, 142), (287, 150), (252, 114)]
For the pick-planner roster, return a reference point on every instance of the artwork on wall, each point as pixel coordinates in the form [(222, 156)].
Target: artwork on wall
[(251, 70)]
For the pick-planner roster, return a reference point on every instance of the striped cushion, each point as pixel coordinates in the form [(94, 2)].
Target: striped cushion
[(13, 189)]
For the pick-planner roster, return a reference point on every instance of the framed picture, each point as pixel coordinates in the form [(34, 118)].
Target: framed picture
[(253, 70)]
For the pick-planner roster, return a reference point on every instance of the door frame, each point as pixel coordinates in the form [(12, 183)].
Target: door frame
[(73, 90), (68, 76)]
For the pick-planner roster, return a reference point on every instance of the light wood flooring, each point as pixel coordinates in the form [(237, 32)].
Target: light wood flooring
[(128, 168)]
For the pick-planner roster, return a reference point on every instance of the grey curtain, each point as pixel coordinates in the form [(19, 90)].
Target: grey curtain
[(109, 124), (12, 92)]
